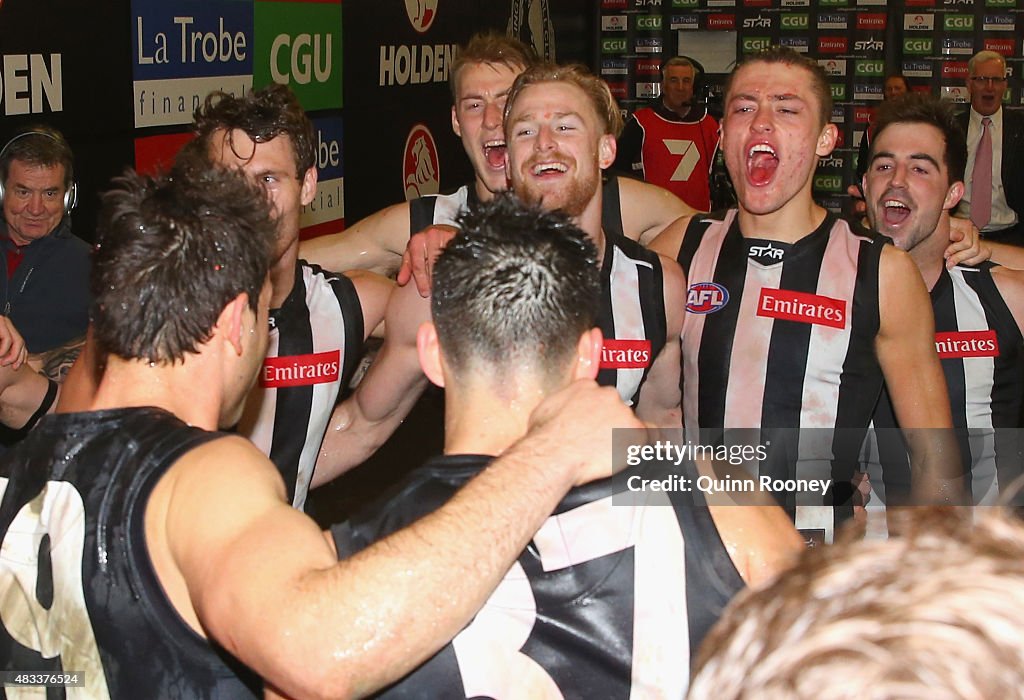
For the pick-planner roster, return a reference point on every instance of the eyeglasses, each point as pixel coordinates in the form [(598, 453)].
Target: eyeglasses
[(981, 80)]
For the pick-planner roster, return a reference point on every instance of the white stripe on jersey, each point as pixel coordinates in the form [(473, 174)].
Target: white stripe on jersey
[(627, 316), (448, 206), (703, 268), (979, 373)]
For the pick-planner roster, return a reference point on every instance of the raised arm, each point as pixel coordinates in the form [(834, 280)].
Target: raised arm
[(384, 397), (265, 583), (375, 243)]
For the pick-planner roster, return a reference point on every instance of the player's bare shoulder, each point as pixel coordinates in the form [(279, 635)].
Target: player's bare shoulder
[(648, 209), (670, 240)]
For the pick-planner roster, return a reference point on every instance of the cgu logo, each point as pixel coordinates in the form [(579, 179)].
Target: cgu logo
[(421, 168), (648, 22), (869, 68), (828, 183), (421, 13), (917, 45), (310, 58), (752, 44), (706, 298), (613, 45), (958, 23), (838, 91), (799, 21)]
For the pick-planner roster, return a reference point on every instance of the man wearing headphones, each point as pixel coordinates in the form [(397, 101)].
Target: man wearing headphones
[(673, 142), (45, 285)]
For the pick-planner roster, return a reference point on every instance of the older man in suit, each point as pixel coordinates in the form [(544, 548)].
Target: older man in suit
[(994, 199)]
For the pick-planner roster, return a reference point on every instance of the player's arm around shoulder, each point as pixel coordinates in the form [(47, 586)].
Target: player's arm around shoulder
[(647, 209), (1010, 283), (374, 291), (242, 567), (905, 344), (364, 421), (375, 243), (659, 402), (670, 240)]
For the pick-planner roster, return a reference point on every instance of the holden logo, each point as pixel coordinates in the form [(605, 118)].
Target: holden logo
[(421, 13), (421, 168)]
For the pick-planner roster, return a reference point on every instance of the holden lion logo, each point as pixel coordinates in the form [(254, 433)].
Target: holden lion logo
[(421, 13), (706, 298), (421, 168)]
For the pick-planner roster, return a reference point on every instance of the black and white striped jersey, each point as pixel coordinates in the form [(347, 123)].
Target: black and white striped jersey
[(980, 347), (607, 600), (780, 338), (632, 315), (316, 340)]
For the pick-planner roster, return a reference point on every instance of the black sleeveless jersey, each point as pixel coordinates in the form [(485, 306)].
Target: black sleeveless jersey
[(982, 355), (78, 593), (779, 338), (607, 601), (316, 340)]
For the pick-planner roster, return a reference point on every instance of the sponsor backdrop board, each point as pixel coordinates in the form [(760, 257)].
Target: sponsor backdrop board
[(122, 78), (398, 133), (857, 42)]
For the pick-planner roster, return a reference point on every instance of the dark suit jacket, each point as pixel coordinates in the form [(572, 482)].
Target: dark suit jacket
[(1013, 151)]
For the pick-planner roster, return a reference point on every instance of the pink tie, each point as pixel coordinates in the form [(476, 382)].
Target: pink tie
[(981, 178)]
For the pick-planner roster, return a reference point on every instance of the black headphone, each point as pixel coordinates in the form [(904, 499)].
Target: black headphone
[(70, 195), (700, 86)]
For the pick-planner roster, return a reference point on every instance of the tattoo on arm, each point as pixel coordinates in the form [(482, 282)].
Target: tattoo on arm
[(54, 364)]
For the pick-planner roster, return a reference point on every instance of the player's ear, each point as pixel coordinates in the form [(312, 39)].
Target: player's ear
[(456, 127), (827, 140), (588, 354), (309, 181), (231, 320), (606, 149), (953, 196), (429, 352)]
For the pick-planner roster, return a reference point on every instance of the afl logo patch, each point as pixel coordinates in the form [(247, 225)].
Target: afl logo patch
[(421, 169), (706, 297), (421, 13)]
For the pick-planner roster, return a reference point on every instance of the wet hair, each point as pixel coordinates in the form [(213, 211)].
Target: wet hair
[(39, 145), (514, 289), (922, 108), (932, 613), (263, 115), (172, 252), (596, 90), (780, 55), (490, 47)]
